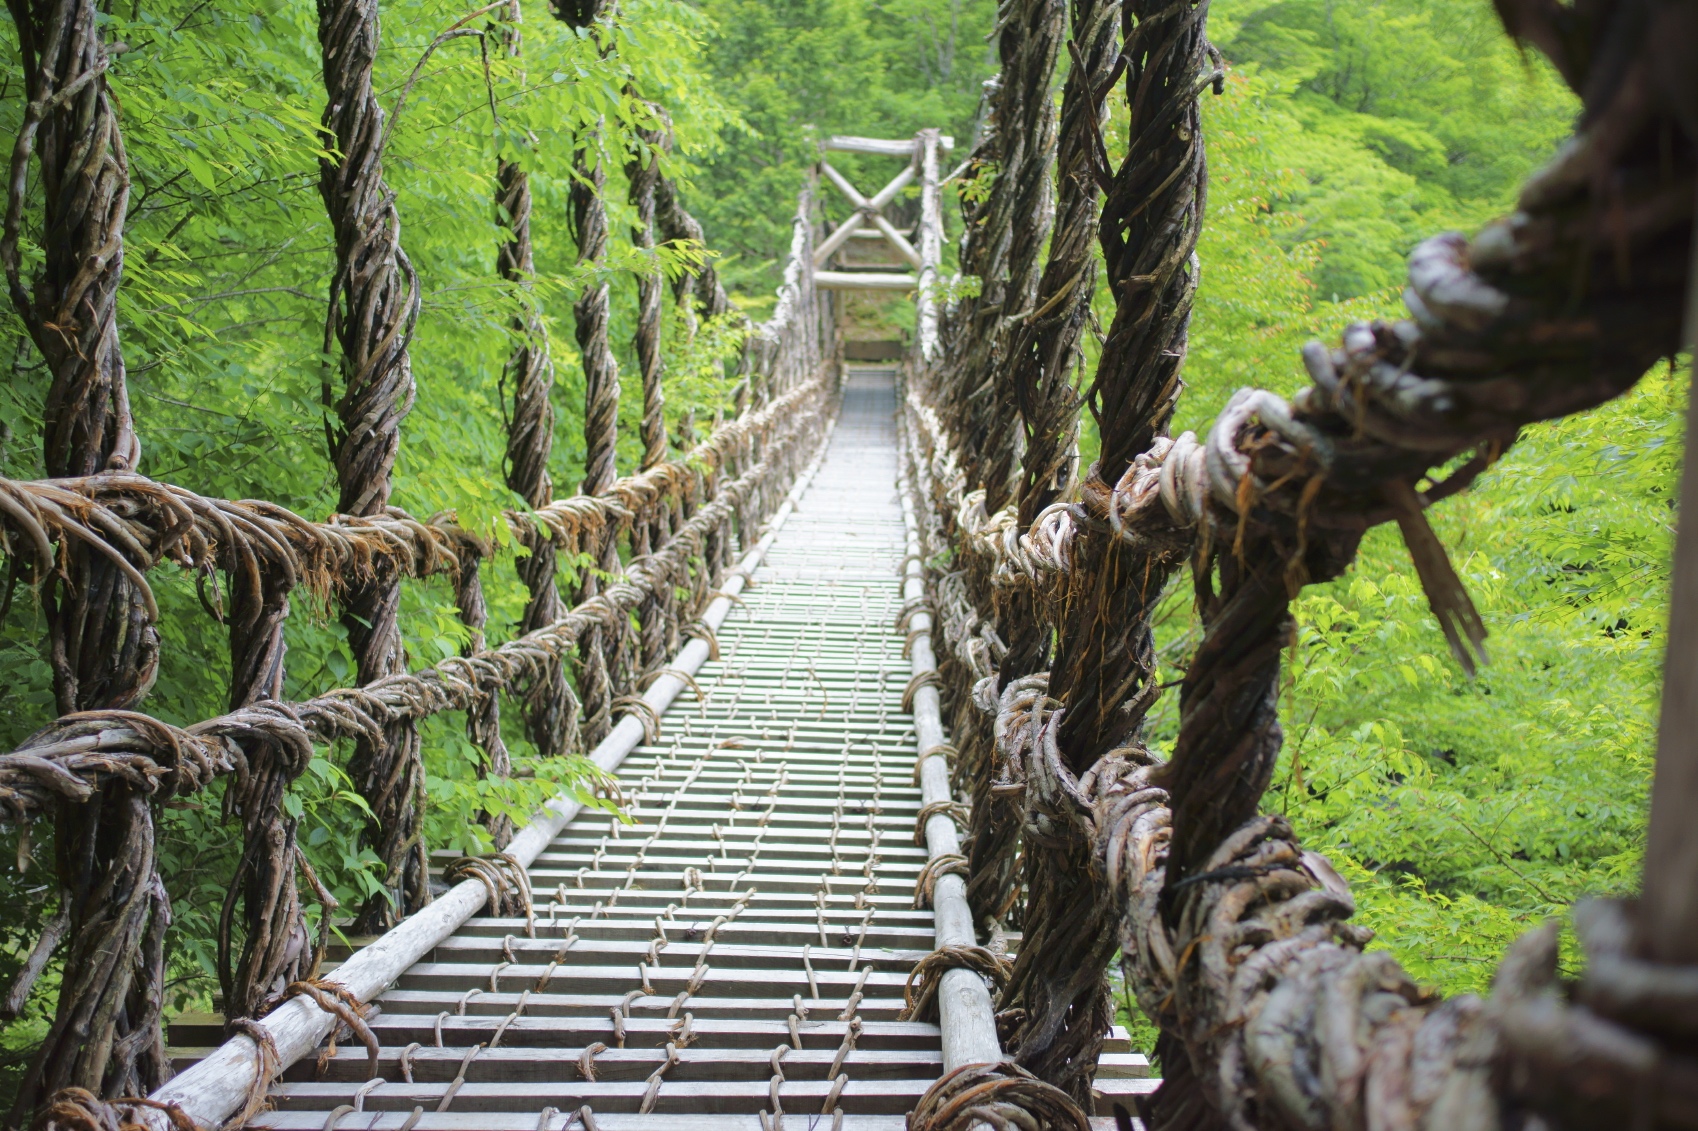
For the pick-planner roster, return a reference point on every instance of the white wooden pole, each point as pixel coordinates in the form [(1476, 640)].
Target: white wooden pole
[(900, 147), (931, 244), (864, 281), (967, 1015), (215, 1088)]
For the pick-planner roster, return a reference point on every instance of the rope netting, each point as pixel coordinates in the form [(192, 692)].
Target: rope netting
[(1234, 938), (88, 539)]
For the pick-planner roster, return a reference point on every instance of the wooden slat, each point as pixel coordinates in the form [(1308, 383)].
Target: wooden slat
[(800, 725), (864, 281)]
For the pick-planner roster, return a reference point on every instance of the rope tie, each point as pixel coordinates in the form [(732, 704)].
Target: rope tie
[(459, 1078), (954, 810), (586, 1060), (518, 1009), (850, 1036), (944, 750), (652, 1092), (645, 713), (919, 993), (1002, 1095), (504, 879), (340, 1002), (269, 1062), (701, 630), (927, 678), (925, 885), (911, 607)]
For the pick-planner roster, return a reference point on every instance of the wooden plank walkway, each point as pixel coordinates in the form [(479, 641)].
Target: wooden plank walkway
[(735, 955)]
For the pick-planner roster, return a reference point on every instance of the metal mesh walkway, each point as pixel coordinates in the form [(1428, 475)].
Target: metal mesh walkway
[(737, 954)]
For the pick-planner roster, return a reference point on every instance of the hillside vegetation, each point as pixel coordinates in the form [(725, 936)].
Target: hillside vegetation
[(1463, 810)]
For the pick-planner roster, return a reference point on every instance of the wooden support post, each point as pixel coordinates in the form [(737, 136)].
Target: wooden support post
[(931, 242), (1668, 917)]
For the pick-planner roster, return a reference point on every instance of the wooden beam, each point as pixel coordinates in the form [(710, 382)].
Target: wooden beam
[(864, 281), (966, 1014), (931, 243), (1668, 904), (838, 238), (904, 147)]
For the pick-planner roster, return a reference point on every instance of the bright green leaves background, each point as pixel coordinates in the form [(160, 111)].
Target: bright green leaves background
[(1463, 811)]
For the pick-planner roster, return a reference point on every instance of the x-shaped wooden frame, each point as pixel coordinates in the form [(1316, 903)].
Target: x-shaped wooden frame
[(868, 210)]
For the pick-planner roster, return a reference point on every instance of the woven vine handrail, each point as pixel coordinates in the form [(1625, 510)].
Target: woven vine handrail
[(89, 538), (139, 523), (1235, 939), (74, 756)]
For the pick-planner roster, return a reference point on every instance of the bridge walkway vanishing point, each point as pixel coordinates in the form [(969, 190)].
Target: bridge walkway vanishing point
[(737, 954)]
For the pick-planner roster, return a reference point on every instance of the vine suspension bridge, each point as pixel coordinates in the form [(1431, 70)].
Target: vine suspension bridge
[(866, 668), (738, 953)]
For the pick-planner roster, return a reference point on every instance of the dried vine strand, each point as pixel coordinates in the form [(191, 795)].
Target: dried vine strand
[(1041, 363), (102, 646), (1003, 241), (374, 303)]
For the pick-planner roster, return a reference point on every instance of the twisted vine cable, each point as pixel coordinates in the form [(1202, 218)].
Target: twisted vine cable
[(1005, 240), (374, 303), (1002, 244), (642, 171), (1041, 364), (1103, 667), (483, 717), (601, 421), (529, 373), (102, 644)]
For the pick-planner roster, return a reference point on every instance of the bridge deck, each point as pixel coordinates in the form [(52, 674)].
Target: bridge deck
[(740, 948)]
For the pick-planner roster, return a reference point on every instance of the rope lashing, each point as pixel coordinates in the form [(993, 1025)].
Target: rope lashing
[(651, 1094), (925, 884), (701, 630), (78, 1109), (1002, 1095), (586, 1060), (677, 673), (912, 607), (340, 1002), (944, 750), (927, 678), (644, 712), (851, 1034), (459, 1080), (269, 1062), (506, 881), (954, 810), (919, 993)]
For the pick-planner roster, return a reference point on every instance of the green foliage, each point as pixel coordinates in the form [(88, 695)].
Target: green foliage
[(1406, 117), (797, 71), (1463, 811), (222, 316)]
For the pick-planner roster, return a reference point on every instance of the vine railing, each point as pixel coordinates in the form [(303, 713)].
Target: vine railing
[(88, 540), (1235, 938)]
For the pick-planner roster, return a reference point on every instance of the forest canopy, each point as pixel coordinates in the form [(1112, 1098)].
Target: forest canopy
[(1462, 810)]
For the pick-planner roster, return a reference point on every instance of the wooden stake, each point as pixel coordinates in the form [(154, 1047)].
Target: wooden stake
[(1668, 920)]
